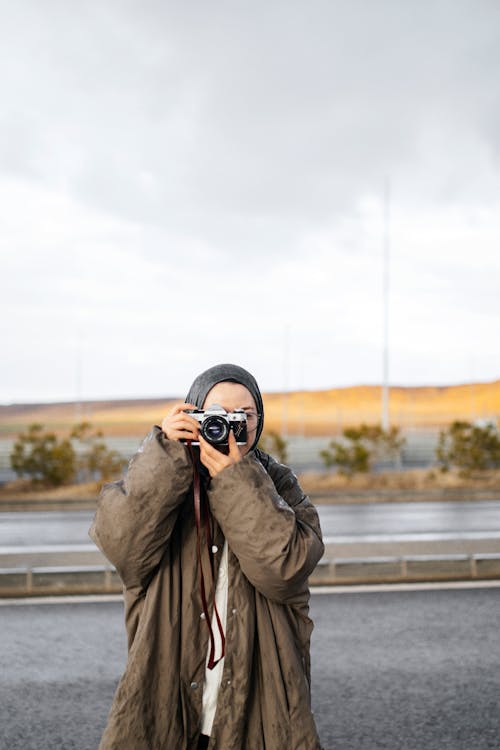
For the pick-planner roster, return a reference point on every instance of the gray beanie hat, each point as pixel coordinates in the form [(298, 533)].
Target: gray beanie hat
[(222, 373)]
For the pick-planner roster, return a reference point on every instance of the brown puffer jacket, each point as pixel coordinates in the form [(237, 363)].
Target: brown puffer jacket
[(145, 526)]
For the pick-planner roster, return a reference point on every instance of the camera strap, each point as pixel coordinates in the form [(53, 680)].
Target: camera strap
[(202, 510)]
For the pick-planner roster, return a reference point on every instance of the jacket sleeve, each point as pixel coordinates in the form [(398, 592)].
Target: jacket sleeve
[(270, 525), (135, 516)]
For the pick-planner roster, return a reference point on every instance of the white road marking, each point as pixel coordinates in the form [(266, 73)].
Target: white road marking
[(21, 549), (315, 590), (367, 588), (72, 599), (413, 537)]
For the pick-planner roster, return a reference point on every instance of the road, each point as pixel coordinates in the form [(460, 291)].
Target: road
[(337, 521), (372, 530), (396, 670)]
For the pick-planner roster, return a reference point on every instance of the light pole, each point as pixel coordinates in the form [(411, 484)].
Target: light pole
[(385, 289)]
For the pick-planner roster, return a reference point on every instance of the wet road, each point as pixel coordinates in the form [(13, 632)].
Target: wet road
[(398, 670), (337, 521)]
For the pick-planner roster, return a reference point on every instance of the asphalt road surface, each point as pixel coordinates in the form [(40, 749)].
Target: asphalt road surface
[(354, 521), (399, 670)]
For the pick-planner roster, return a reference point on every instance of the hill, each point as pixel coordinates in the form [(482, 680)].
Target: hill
[(323, 412)]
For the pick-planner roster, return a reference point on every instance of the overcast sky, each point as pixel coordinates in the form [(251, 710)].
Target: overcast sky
[(185, 183)]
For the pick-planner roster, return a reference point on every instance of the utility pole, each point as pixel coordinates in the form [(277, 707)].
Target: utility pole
[(385, 292)]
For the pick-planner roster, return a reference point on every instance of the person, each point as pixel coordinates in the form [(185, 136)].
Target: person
[(226, 665)]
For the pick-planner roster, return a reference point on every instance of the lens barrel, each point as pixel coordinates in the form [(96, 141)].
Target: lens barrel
[(215, 429)]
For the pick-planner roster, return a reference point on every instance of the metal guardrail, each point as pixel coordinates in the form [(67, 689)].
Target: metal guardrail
[(407, 568), (92, 579), (78, 579)]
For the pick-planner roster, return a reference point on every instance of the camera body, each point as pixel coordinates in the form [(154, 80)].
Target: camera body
[(216, 423)]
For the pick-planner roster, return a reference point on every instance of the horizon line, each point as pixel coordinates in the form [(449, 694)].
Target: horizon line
[(163, 397)]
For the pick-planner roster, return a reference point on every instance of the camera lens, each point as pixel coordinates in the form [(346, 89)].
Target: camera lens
[(215, 430)]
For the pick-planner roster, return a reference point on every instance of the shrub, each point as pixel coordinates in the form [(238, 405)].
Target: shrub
[(95, 458), (351, 459), (273, 443), (54, 461), (361, 446), (470, 447), (43, 457)]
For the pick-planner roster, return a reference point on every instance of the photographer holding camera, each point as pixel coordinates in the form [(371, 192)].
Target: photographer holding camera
[(214, 541)]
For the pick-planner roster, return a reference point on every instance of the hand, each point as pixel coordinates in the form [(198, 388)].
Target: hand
[(178, 425), (214, 460)]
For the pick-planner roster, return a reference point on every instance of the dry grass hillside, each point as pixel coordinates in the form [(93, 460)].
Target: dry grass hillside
[(305, 412)]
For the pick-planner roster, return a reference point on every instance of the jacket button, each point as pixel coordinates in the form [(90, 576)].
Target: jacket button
[(233, 611), (194, 685), (202, 615), (215, 549)]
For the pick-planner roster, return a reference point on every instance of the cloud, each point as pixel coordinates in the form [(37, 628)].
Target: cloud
[(237, 111), (188, 183)]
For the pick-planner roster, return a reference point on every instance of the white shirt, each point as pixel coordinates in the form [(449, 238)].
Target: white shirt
[(213, 676)]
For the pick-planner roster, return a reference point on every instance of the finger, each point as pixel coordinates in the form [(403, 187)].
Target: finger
[(180, 426), (214, 460), (182, 435), (217, 455), (234, 451), (169, 420), (185, 406), (208, 450), (181, 408), (185, 420), (207, 460)]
